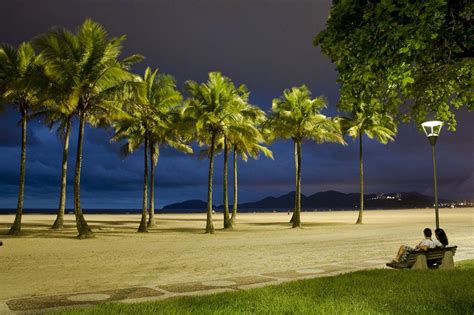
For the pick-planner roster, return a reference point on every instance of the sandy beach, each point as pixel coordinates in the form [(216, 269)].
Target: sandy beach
[(43, 261)]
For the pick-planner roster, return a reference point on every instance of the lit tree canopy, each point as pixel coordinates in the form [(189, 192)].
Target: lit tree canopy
[(406, 57)]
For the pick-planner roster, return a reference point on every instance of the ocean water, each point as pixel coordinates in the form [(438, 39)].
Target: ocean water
[(71, 211), (138, 211)]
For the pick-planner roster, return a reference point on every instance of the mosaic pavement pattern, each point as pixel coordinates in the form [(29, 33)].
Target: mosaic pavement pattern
[(40, 304)]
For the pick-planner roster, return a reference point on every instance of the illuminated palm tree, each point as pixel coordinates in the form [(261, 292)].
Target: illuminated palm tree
[(246, 140), (133, 127), (214, 105), (55, 114), (375, 125), (295, 115), (150, 121), (21, 82), (165, 127), (87, 64)]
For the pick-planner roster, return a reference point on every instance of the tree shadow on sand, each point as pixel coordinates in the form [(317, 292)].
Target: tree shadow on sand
[(181, 219), (191, 230), (104, 223), (52, 234), (304, 224)]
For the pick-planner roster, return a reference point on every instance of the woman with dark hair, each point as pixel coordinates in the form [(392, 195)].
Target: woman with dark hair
[(441, 238)]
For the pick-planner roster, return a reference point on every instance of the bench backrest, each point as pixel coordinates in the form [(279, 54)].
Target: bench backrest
[(431, 254)]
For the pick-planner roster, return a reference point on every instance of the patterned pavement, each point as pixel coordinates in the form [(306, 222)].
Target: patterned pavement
[(40, 304)]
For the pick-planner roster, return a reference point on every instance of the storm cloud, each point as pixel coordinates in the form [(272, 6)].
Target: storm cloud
[(265, 44)]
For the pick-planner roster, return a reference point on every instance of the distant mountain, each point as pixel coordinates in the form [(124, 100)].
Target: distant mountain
[(324, 200), (330, 199), (283, 202), (337, 200), (187, 205)]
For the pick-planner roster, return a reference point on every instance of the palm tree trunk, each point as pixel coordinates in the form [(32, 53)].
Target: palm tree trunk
[(153, 162), (209, 224), (59, 222), (227, 221), (16, 227), (295, 151), (361, 168), (297, 213), (82, 227), (234, 206), (143, 223)]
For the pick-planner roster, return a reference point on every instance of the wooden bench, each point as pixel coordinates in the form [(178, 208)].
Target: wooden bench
[(434, 258)]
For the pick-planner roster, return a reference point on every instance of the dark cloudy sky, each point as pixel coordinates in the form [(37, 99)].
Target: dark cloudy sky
[(266, 44)]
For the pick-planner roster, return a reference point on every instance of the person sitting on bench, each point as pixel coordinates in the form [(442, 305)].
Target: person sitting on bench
[(441, 238), (424, 245)]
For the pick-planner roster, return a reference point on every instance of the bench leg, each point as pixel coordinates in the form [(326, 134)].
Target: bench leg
[(420, 262), (448, 261)]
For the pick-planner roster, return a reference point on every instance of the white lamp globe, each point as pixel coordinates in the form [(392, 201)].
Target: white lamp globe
[(432, 128)]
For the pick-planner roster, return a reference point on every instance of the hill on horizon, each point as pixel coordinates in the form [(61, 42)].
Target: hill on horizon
[(323, 200)]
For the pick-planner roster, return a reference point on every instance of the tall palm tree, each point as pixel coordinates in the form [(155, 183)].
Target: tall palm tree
[(232, 130), (295, 115), (151, 121), (21, 82), (375, 125), (133, 127), (246, 140), (55, 114), (87, 64), (165, 102), (213, 105)]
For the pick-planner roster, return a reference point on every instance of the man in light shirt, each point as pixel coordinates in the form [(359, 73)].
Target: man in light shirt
[(427, 243), (424, 245)]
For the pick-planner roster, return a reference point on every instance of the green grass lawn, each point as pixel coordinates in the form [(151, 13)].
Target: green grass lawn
[(363, 292)]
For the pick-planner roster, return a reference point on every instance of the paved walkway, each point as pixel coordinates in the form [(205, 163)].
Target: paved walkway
[(40, 304)]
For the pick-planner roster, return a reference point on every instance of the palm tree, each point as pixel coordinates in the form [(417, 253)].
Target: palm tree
[(151, 120), (87, 64), (21, 82), (231, 130), (213, 105), (55, 113), (165, 128), (295, 115), (133, 127), (374, 124), (246, 140)]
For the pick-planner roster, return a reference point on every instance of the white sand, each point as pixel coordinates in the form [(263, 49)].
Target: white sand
[(43, 261)]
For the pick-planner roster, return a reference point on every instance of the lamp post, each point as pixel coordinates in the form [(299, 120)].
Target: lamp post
[(432, 130)]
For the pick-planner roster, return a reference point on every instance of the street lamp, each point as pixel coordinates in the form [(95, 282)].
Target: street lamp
[(432, 130)]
